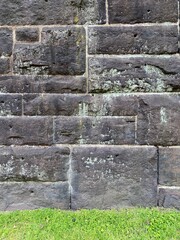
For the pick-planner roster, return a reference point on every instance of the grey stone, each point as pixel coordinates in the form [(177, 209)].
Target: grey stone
[(133, 39), (34, 163), (134, 74), (6, 42), (10, 104), (25, 34), (169, 166), (113, 177), (26, 130), (31, 195), (4, 65), (95, 130), (25, 12), (169, 197), (140, 11)]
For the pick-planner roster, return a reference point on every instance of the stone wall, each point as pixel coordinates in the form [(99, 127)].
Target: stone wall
[(89, 104)]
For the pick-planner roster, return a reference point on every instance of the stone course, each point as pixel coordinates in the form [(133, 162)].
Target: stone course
[(89, 104)]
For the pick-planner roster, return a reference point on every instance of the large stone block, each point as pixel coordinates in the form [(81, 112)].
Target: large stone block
[(134, 74), (169, 197), (62, 52), (31, 195), (133, 39), (6, 42), (113, 177), (42, 84), (10, 104), (27, 163), (51, 12), (141, 11), (26, 130), (169, 166), (95, 130), (158, 119)]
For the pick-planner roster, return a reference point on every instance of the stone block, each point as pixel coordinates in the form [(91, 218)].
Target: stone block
[(26, 130), (133, 39), (169, 166), (113, 177), (134, 74), (95, 130), (140, 11), (24, 34), (31, 195), (169, 197), (27, 163), (4, 65), (25, 12), (6, 42), (10, 104), (158, 119)]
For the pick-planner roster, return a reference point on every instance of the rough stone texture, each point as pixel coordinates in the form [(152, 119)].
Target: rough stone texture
[(4, 65), (169, 166), (158, 119), (113, 177), (10, 104), (51, 12), (6, 42), (140, 11), (95, 130), (32, 195), (26, 130), (169, 197), (34, 163), (62, 51), (134, 74), (27, 34), (133, 39), (42, 84)]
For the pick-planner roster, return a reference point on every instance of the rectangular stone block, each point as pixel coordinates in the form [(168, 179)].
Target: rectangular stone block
[(95, 130), (10, 104), (42, 84), (25, 12), (113, 177), (31, 195), (133, 39), (169, 197), (158, 119), (62, 52), (169, 166), (134, 74), (141, 11), (26, 130), (6, 42), (4, 65), (27, 163), (25, 34)]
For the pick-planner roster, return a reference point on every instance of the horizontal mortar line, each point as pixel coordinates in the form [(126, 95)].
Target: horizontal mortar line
[(168, 187), (105, 145), (174, 146), (43, 26), (33, 181), (134, 24), (133, 55), (40, 76)]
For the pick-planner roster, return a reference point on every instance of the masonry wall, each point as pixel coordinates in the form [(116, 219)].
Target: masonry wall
[(89, 104)]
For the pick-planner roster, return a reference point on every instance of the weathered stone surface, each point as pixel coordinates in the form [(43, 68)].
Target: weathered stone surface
[(140, 11), (158, 119), (133, 39), (62, 52), (6, 42), (51, 12), (31, 195), (34, 163), (10, 104), (25, 34), (169, 166), (113, 177), (95, 130), (42, 84), (56, 104), (4, 65), (169, 197), (26, 130), (134, 74)]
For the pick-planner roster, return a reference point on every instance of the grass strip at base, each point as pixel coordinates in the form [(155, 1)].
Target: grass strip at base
[(53, 224)]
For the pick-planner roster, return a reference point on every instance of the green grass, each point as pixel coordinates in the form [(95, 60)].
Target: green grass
[(45, 224)]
